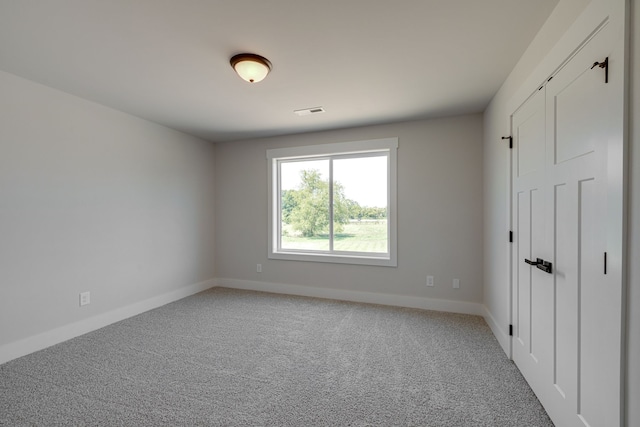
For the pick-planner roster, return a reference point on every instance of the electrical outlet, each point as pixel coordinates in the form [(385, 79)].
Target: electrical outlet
[(456, 283), (429, 280), (259, 268), (85, 298)]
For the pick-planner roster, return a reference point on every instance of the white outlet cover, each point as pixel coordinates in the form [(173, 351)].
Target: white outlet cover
[(456, 283), (429, 280), (85, 298)]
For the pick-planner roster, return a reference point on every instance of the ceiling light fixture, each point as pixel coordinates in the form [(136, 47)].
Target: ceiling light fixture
[(250, 67)]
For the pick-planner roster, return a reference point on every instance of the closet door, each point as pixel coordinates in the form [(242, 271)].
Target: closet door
[(532, 287), (567, 306)]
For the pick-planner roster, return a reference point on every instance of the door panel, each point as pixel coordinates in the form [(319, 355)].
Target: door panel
[(523, 274), (566, 292), (568, 323), (541, 299), (599, 357), (572, 137), (530, 350), (587, 361), (587, 352), (529, 132)]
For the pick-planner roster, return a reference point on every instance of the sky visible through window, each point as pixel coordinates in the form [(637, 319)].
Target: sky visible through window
[(364, 179)]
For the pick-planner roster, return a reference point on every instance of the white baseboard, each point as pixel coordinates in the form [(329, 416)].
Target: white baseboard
[(55, 336), (500, 333), (356, 296)]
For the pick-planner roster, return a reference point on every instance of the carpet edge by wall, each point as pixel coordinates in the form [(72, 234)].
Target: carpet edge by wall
[(55, 336), (463, 307)]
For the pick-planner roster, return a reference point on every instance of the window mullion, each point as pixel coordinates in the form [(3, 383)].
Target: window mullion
[(278, 201), (330, 204), (390, 205)]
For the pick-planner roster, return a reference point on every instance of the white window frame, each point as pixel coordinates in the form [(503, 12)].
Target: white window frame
[(388, 146)]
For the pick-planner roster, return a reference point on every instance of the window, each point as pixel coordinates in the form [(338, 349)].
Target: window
[(334, 202)]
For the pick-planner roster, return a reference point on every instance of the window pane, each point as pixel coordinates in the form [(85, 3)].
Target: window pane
[(360, 204), (304, 205)]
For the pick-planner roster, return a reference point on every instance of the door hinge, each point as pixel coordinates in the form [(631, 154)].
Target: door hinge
[(510, 330), (605, 263), (510, 138), (511, 237)]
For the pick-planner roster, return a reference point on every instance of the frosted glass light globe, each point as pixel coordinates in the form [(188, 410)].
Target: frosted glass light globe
[(250, 67)]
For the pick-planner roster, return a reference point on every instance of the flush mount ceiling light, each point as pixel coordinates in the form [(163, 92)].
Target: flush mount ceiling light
[(250, 67)]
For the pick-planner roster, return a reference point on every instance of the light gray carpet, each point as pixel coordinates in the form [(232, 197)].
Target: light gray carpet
[(234, 358)]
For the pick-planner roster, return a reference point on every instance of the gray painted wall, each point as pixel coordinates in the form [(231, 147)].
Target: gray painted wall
[(92, 199), (439, 212)]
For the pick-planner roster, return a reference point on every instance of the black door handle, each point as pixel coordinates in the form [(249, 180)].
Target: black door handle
[(546, 266), (543, 265)]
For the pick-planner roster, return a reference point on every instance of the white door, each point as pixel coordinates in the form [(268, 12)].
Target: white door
[(533, 287), (567, 310)]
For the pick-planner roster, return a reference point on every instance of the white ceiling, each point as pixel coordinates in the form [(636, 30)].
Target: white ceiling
[(364, 61)]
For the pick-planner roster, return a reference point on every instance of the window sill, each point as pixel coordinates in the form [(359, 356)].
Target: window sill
[(382, 261)]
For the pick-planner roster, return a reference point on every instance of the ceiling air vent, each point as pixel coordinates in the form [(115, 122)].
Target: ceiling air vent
[(307, 111)]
